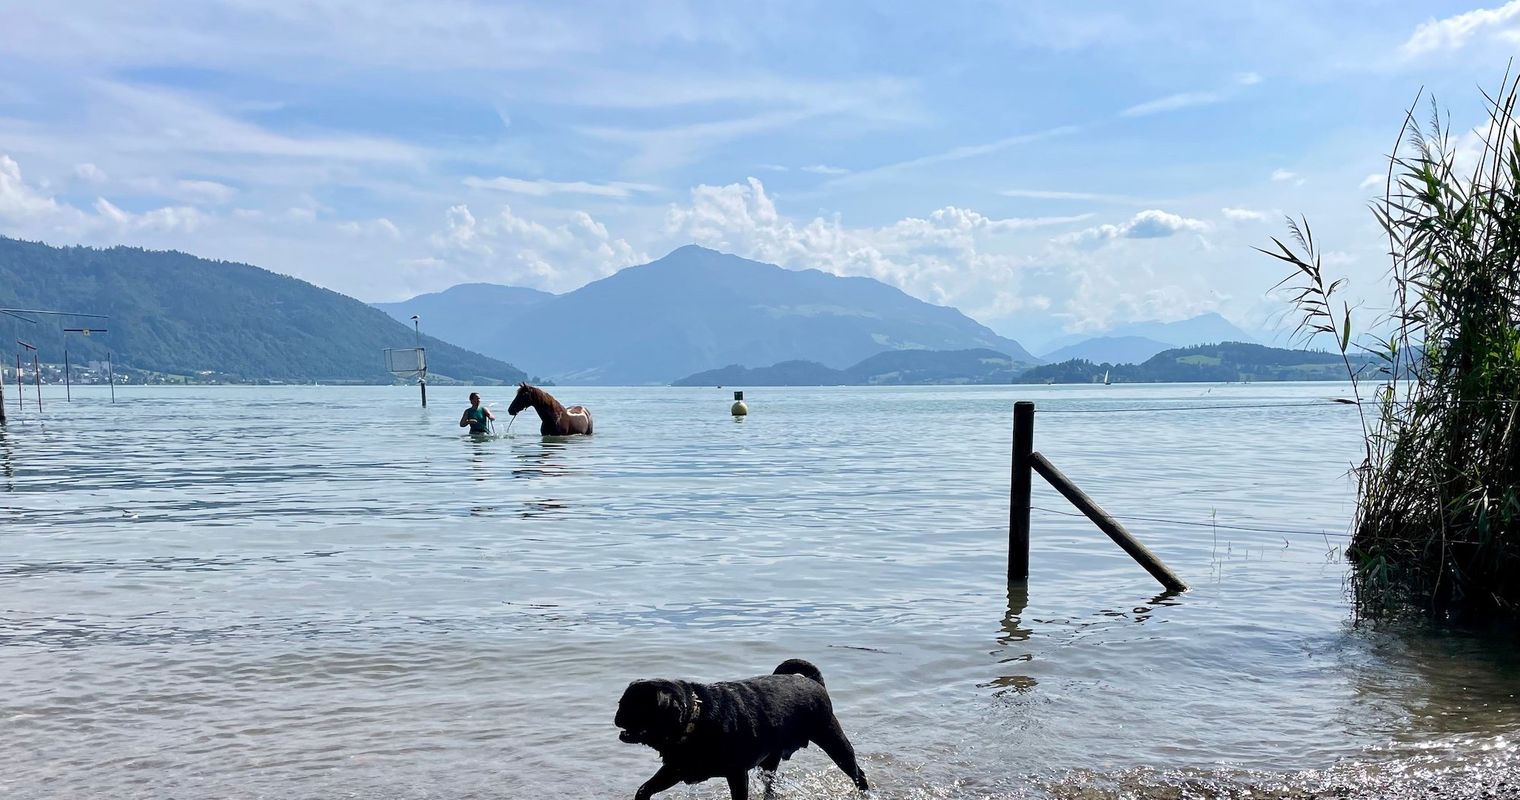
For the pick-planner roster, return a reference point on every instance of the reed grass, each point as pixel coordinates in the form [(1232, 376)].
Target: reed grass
[(1437, 526)]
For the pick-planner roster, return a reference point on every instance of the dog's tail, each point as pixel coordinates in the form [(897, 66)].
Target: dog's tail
[(796, 666)]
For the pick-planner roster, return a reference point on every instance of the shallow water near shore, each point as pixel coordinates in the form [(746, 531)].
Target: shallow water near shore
[(317, 592)]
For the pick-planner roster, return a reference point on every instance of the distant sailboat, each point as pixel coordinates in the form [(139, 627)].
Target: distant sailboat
[(1106, 381)]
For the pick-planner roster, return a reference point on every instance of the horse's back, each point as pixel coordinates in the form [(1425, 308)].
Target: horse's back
[(579, 419)]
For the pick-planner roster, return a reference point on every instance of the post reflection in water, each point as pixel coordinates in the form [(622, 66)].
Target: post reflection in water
[(1013, 634), (7, 468), (1163, 600), (295, 593)]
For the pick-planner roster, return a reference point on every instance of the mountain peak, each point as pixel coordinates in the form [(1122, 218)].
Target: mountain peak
[(690, 252), (697, 308)]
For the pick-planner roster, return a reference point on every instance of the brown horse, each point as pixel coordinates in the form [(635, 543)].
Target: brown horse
[(557, 420)]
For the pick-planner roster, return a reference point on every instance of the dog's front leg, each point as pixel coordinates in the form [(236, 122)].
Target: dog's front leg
[(662, 780), (738, 786)]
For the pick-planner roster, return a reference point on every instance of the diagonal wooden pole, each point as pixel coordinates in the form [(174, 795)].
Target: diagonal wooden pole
[(1107, 523)]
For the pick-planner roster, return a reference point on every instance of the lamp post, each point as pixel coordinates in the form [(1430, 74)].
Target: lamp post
[(417, 339)]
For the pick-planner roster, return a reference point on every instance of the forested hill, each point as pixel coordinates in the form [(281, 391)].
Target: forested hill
[(1227, 361), (178, 314), (892, 368)]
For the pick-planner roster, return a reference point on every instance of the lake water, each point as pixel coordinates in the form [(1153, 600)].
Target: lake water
[(320, 592)]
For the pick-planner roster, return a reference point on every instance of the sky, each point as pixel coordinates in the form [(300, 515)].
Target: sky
[(1047, 167)]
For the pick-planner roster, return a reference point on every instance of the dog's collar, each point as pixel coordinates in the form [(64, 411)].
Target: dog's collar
[(691, 722)]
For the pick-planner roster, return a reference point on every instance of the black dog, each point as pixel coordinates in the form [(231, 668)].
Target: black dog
[(723, 730)]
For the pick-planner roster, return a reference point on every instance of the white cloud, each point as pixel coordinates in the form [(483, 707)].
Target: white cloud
[(1149, 224), (1338, 258), (672, 146), (1455, 33), (768, 104), (1373, 180), (1172, 102), (958, 154), (206, 191), (952, 255), (147, 120), (89, 173), (1181, 100), (509, 247), (168, 219), (19, 201), (824, 169), (1284, 176), (544, 188), (1242, 214), (1104, 297), (379, 227), (459, 232), (286, 38), (1042, 194)]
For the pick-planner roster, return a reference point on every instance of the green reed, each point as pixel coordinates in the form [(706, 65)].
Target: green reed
[(1437, 527)]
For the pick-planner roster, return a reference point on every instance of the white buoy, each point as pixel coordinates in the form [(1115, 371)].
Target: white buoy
[(739, 409)]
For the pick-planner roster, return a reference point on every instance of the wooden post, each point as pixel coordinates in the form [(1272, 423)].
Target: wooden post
[(2, 395), (1107, 524), (423, 384), (1018, 493), (111, 376), (68, 390)]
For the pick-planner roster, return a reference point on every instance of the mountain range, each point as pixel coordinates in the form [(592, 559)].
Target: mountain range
[(894, 367), (686, 314), (177, 314), (698, 309), (463, 314), (1134, 342), (1221, 362), (1110, 349)]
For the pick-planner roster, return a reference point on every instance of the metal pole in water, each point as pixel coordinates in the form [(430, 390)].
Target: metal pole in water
[(37, 376), (68, 390), (2, 396), (20, 386), (417, 342), (111, 376), (1019, 492)]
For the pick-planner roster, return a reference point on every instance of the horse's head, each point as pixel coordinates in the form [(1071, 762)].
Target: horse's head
[(523, 399)]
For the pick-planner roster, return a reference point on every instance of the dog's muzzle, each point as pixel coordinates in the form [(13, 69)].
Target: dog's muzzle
[(629, 736)]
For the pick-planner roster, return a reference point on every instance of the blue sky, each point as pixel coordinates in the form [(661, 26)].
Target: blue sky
[(1046, 167)]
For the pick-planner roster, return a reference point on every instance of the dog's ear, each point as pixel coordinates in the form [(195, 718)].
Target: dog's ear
[(670, 704)]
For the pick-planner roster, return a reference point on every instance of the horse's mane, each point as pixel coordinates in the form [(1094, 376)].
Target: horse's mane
[(537, 395)]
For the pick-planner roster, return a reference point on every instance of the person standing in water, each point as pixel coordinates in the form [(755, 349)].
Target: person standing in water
[(476, 415)]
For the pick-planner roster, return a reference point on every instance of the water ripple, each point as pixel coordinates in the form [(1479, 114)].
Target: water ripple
[(217, 592)]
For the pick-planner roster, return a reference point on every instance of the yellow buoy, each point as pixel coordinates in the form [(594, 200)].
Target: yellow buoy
[(739, 409)]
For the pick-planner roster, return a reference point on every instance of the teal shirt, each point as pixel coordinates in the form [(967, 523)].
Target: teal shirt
[(477, 417)]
